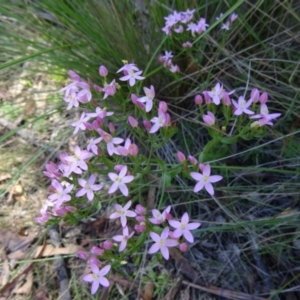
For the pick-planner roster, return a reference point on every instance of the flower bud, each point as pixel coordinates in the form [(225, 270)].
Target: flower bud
[(107, 245), (226, 99), (206, 97), (97, 88), (140, 228), (163, 106), (103, 71), (254, 95), (192, 160), (135, 101), (187, 45), (133, 122), (140, 210), (198, 99), (133, 150), (82, 255), (147, 125), (94, 261), (180, 156), (111, 127), (209, 119), (183, 247), (97, 251), (263, 98), (118, 168)]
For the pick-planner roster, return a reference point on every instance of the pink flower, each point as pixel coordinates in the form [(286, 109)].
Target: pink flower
[(135, 101), (80, 123), (201, 25), (162, 243), (122, 213), (92, 145), (85, 94), (183, 247), (148, 99), (100, 113), (123, 239), (187, 45), (159, 218), (204, 179), (88, 187), (119, 181), (132, 77), (158, 121), (184, 228), (128, 68), (109, 89), (82, 255), (265, 117), (163, 106), (128, 149), (60, 194), (107, 245), (216, 93), (242, 106), (78, 159), (97, 277), (110, 142), (209, 119)]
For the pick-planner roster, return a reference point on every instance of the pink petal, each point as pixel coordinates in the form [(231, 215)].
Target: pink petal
[(196, 176), (123, 220), (105, 270), (88, 278), (127, 205), (123, 188), (103, 281), (164, 251), (185, 218), (80, 193), (209, 188), (113, 188), (193, 226), (188, 236), (154, 248), (154, 236), (112, 176), (165, 233), (95, 286), (90, 195), (122, 245), (118, 238), (174, 223), (198, 187), (130, 213), (114, 215), (82, 182), (206, 170), (128, 178), (177, 233), (215, 178), (123, 172)]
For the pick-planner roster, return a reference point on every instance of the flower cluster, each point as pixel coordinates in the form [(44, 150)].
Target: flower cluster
[(218, 95)]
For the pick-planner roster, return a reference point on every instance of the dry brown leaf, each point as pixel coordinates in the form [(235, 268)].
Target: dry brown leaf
[(26, 287), (13, 242), (49, 250), (223, 292), (40, 295), (148, 290)]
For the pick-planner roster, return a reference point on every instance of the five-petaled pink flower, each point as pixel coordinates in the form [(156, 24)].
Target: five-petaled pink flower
[(216, 93), (184, 227), (162, 243), (204, 179), (264, 116), (97, 277), (122, 213), (150, 94), (242, 106), (123, 239), (119, 181), (132, 77), (88, 187), (159, 217)]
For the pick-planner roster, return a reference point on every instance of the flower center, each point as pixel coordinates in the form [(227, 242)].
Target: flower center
[(205, 178)]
